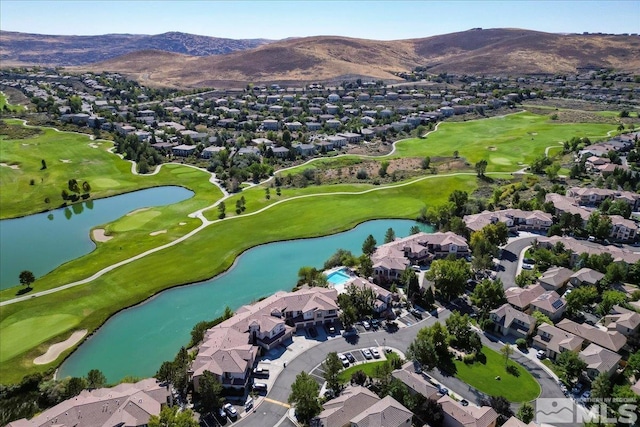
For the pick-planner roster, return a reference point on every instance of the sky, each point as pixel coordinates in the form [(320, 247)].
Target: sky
[(379, 20)]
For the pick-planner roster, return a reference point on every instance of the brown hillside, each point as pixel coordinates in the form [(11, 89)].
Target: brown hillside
[(327, 58)]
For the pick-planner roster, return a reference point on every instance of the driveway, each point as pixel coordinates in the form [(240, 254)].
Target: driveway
[(510, 259)]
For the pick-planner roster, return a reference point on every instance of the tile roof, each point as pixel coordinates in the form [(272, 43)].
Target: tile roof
[(612, 340), (387, 412), (415, 381), (629, 320), (467, 416), (556, 339), (351, 402), (588, 275), (124, 405), (549, 301), (521, 297), (555, 277), (600, 359), (507, 314)]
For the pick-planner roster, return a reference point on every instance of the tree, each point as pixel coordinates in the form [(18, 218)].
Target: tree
[(426, 162), (430, 347), (96, 379), (601, 387), (44, 164), (461, 334), (456, 154), (580, 297), (75, 386), (366, 266), (222, 210), (502, 406), (598, 226), (525, 413), (459, 198), (75, 104), (369, 245), (332, 367), (165, 372), (27, 278), (552, 171), (450, 277), (414, 230), (382, 172), (171, 417), (609, 299), (506, 351), (359, 377), (86, 187), (541, 318), (481, 168), (488, 295), (390, 235), (304, 395), (431, 412), (267, 193), (410, 281), (571, 366), (633, 364), (211, 396)]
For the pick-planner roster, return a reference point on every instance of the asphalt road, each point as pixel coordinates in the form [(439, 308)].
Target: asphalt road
[(509, 262)]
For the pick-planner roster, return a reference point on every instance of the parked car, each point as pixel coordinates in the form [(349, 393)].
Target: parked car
[(527, 267), (443, 391), (230, 410), (331, 329), (416, 313), (464, 402), (261, 372), (366, 325), (375, 353), (260, 387), (222, 414), (248, 404), (367, 354), (343, 359), (541, 354), (350, 358)]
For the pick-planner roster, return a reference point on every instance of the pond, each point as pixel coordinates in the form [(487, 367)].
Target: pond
[(41, 242), (137, 340)]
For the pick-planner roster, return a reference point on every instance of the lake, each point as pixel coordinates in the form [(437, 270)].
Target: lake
[(137, 340), (41, 242)]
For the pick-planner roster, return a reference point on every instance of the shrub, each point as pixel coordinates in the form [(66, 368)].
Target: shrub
[(513, 370), (362, 174), (521, 343), (469, 358)]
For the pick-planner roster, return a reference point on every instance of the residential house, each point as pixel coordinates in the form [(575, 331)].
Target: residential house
[(313, 126), (623, 229), (390, 259), (125, 405), (611, 340), (565, 204), (514, 422), (350, 137), (294, 126), (586, 276), (270, 124), (521, 298), (333, 123), (360, 407), (514, 219), (456, 415), (577, 247), (280, 152), (209, 152), (304, 149), (555, 340), (599, 360), (416, 382), (509, 321), (623, 320), (555, 278), (337, 141), (183, 150), (384, 298), (550, 304)]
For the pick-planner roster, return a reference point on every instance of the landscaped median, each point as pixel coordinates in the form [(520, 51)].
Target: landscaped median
[(489, 375)]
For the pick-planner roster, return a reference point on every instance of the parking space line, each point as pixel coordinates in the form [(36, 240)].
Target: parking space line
[(277, 402)]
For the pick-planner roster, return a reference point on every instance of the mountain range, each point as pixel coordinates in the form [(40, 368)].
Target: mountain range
[(178, 59)]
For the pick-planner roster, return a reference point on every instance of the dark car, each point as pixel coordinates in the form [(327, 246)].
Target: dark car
[(350, 358), (464, 402), (261, 372)]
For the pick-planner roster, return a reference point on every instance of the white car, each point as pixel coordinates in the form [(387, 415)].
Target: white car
[(367, 354), (230, 410), (343, 359), (366, 325), (527, 267), (375, 353)]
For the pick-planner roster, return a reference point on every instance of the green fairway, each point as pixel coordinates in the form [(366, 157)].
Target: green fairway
[(506, 142), (12, 108), (482, 376)]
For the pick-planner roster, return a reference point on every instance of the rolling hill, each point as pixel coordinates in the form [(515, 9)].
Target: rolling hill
[(37, 49), (333, 58)]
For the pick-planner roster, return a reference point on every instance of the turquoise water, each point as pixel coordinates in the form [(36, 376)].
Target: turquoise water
[(338, 277), (43, 241), (137, 340)]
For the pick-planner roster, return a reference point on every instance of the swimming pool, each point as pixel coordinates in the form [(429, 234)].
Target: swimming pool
[(338, 277)]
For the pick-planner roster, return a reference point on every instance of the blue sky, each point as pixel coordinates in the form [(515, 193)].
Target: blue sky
[(381, 20)]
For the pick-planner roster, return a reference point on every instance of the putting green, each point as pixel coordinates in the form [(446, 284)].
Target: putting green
[(29, 333), (104, 183), (500, 160), (135, 221)]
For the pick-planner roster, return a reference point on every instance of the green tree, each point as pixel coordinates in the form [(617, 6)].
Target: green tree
[(222, 210), (430, 347), (414, 230), (211, 396), (633, 363), (75, 386), (601, 387), (609, 299), (384, 165), (390, 235), (86, 187), (359, 377), (506, 351), (571, 366), (426, 162), (461, 336), (541, 318), (598, 226), (369, 245), (171, 417), (481, 168), (332, 367), (450, 277), (525, 413), (96, 379), (409, 280), (44, 164), (75, 104), (304, 395), (26, 278), (552, 171), (459, 198), (488, 295), (581, 297), (165, 372)]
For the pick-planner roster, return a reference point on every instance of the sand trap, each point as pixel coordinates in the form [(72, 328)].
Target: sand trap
[(56, 349), (155, 233), (137, 210), (6, 165), (99, 236), (65, 160), (183, 223)]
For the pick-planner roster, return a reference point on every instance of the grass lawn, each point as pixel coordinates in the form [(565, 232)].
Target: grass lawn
[(13, 108), (522, 388), (505, 142), (368, 368)]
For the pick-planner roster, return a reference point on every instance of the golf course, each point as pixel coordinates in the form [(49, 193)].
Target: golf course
[(153, 250)]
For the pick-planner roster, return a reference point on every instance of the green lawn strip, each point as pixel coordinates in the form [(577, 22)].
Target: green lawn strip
[(523, 388), (554, 368), (368, 368), (326, 163), (11, 107), (204, 255), (505, 142)]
